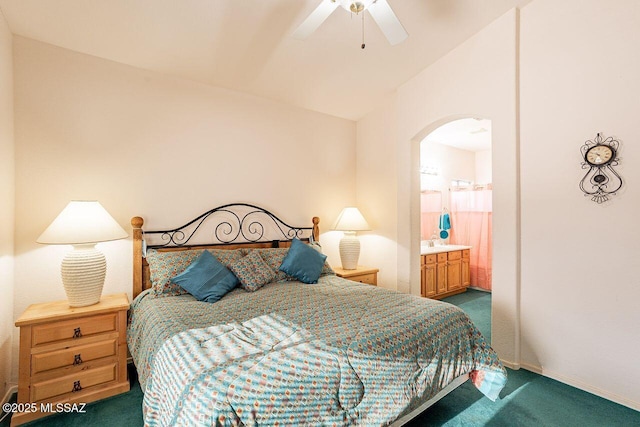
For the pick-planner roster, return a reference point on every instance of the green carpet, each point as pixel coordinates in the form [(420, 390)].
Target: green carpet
[(124, 410), (477, 304), (527, 400)]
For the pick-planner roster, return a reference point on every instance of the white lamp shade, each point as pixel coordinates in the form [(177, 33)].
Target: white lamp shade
[(82, 222), (350, 219)]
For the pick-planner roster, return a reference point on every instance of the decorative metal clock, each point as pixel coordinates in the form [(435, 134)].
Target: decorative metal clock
[(601, 180)]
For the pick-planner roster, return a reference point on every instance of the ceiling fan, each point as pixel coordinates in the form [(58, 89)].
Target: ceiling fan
[(379, 10)]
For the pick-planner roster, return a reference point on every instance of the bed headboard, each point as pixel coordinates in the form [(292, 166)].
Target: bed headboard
[(231, 226)]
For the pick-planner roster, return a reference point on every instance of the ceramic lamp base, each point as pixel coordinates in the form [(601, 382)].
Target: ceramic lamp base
[(83, 272), (349, 250)]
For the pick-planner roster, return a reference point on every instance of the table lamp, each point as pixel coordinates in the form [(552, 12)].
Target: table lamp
[(350, 220), (83, 224)]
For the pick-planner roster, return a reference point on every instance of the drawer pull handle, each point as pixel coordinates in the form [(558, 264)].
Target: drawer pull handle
[(77, 333), (77, 360), (76, 386)]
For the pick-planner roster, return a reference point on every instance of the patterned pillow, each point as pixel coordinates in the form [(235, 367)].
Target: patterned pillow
[(163, 266), (274, 257), (252, 271), (326, 268)]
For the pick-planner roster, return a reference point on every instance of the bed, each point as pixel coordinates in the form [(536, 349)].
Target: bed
[(334, 352)]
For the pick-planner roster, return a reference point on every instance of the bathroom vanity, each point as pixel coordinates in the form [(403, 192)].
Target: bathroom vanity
[(444, 270)]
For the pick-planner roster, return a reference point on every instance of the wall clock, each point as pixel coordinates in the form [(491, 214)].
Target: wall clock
[(600, 156)]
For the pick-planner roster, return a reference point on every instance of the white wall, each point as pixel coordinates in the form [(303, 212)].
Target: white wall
[(575, 316), (377, 192), (477, 79), (453, 163), (580, 285), (6, 203), (483, 167), (167, 149)]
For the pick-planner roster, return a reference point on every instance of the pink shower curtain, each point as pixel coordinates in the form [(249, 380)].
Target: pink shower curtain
[(430, 208), (471, 225)]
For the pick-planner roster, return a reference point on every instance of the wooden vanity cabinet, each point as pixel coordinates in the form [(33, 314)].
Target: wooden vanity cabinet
[(454, 270), (466, 275), (428, 276), (444, 274), (441, 273)]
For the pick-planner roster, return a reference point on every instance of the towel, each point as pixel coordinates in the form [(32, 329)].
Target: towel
[(445, 222)]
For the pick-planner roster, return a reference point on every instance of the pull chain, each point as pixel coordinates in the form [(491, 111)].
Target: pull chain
[(363, 45)]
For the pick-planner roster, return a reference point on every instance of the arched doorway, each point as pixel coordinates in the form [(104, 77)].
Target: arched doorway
[(505, 308), (456, 197)]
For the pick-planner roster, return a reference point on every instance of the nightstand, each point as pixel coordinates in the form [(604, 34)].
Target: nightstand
[(361, 274), (71, 355)]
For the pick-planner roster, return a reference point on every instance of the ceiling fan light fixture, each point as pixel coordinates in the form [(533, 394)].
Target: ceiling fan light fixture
[(477, 131), (379, 10), (356, 6)]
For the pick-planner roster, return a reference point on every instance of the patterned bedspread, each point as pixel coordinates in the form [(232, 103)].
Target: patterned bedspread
[(332, 353)]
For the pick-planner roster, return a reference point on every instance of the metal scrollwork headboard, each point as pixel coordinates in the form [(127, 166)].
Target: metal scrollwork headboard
[(232, 223), (226, 227)]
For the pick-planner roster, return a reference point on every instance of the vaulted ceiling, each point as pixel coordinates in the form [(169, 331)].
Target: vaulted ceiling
[(246, 45)]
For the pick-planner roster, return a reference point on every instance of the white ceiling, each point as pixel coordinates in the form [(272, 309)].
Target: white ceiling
[(465, 134), (246, 45)]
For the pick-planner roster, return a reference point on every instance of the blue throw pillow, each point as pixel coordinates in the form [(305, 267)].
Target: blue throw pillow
[(303, 262), (206, 278)]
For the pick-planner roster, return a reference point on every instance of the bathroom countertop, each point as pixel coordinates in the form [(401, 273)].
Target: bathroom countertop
[(428, 250)]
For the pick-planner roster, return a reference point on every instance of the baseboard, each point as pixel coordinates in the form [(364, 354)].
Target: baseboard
[(573, 382), (511, 365), (7, 397), (475, 288), (10, 392)]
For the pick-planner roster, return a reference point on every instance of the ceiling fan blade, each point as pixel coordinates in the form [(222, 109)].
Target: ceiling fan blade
[(388, 22), (313, 21)]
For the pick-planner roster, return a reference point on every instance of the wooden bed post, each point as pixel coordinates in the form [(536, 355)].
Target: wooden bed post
[(136, 224), (316, 229)]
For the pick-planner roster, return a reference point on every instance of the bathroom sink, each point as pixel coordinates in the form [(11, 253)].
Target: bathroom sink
[(427, 250)]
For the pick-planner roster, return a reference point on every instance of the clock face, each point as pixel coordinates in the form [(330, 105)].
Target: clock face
[(599, 155), (600, 158)]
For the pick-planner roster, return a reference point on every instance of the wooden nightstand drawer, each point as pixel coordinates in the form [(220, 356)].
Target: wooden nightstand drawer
[(369, 279), (76, 328), (72, 356), (73, 383), (361, 274)]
